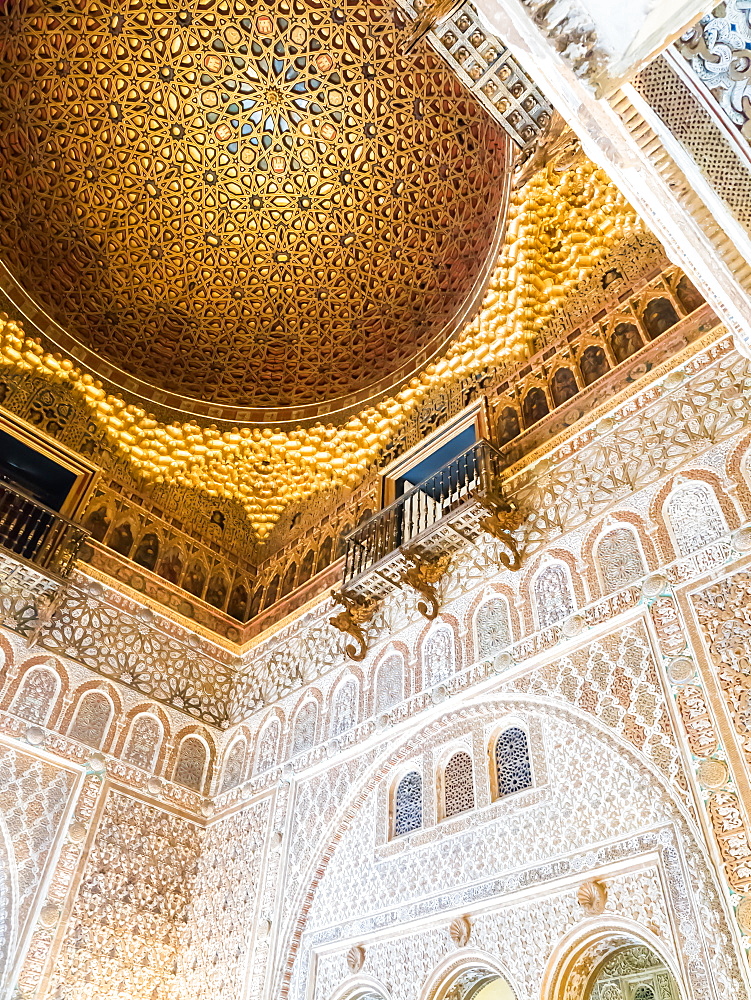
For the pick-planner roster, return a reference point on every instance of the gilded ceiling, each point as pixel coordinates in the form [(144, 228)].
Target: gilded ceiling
[(560, 225), (242, 204)]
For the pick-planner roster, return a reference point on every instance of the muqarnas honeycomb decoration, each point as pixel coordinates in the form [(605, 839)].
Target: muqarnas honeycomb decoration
[(243, 204)]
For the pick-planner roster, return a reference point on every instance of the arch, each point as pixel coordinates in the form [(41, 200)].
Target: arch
[(694, 516), (466, 976), (144, 741), (324, 553), (195, 578), (619, 558), (389, 682), (658, 316), (305, 727), (593, 364), (271, 592), (306, 567), (257, 603), (234, 766), (288, 583), (121, 539), (238, 602), (688, 295), (92, 719), (406, 805), (216, 589), (625, 340), (492, 626), (363, 988), (268, 746), (438, 655), (553, 594), (37, 694), (511, 763), (535, 406), (98, 521), (458, 785), (147, 551), (171, 565), (580, 955), (563, 386), (344, 706), (508, 426), (191, 763)]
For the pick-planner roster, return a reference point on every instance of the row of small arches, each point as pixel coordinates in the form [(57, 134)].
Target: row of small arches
[(192, 573), (595, 361), (93, 718), (510, 771)]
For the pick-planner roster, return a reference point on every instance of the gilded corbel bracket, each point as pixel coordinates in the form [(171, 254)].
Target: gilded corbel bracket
[(423, 575), (503, 518), (357, 611)]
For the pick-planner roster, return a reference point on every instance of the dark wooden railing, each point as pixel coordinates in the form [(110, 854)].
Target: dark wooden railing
[(37, 533), (425, 505)]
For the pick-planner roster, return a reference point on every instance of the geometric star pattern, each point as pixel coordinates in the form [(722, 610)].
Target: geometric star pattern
[(250, 204)]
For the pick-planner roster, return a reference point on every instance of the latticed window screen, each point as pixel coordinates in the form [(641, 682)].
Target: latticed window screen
[(513, 769), (620, 559), (92, 719), (345, 708), (305, 727), (389, 683), (190, 764), (268, 747), (438, 656), (695, 517), (493, 630), (458, 785), (233, 771), (37, 693), (553, 596), (144, 742), (408, 804)]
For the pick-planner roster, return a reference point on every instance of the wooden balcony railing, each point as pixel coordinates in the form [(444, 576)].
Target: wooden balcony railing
[(37, 533), (435, 516)]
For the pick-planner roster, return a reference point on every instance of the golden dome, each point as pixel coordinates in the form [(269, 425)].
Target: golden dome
[(239, 204)]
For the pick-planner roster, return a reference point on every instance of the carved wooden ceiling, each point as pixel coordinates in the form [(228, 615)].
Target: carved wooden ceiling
[(244, 205)]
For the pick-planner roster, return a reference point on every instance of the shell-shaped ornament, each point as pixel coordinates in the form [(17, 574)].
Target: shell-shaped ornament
[(592, 896), (355, 958), (460, 930)]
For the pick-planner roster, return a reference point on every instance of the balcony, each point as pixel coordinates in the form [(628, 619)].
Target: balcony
[(428, 523), (38, 535)]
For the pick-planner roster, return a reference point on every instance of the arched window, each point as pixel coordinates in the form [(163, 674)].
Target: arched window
[(306, 567), (305, 727), (658, 317), (324, 553), (492, 627), (688, 295), (553, 597), (256, 603), (389, 685), (238, 602), (593, 364), (408, 804), (513, 770), (147, 552), (97, 523), (695, 517), (271, 593), (619, 558), (534, 407), (458, 785), (121, 539), (625, 340), (190, 765), (216, 591), (92, 719), (144, 741), (438, 656), (268, 747), (36, 695), (234, 767), (288, 584), (344, 714), (563, 386), (508, 425), (171, 566), (195, 578)]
